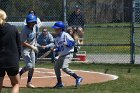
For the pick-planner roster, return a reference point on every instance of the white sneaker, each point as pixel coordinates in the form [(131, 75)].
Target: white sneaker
[(30, 85)]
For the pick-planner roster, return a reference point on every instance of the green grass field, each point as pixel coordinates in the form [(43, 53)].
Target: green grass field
[(126, 83)]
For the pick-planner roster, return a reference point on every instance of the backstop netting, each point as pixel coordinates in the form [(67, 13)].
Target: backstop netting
[(108, 36)]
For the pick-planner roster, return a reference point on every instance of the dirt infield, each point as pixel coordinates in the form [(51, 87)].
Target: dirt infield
[(46, 78)]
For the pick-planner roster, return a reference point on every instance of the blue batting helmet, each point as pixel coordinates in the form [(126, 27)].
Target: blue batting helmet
[(59, 24), (31, 18)]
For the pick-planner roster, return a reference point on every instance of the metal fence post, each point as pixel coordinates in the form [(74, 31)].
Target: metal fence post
[(132, 43), (65, 12)]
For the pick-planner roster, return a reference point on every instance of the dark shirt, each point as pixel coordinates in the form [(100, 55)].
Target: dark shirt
[(9, 46), (76, 20)]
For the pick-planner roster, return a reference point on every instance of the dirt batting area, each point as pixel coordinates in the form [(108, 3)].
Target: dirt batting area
[(46, 78)]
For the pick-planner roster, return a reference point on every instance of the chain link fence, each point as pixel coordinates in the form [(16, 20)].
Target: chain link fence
[(108, 24)]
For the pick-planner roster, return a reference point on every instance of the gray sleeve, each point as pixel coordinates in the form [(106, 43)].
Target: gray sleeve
[(23, 36), (51, 45)]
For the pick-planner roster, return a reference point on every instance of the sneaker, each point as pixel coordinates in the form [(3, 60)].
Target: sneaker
[(78, 81), (30, 85), (59, 85)]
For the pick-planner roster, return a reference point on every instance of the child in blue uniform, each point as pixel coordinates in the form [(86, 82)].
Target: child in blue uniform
[(65, 48), (28, 47)]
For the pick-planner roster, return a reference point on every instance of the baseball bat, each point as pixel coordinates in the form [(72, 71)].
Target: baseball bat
[(45, 54)]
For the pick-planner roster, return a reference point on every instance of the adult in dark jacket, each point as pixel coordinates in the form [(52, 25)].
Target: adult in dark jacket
[(76, 21), (9, 52)]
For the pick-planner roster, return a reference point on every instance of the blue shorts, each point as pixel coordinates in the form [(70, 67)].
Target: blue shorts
[(12, 71)]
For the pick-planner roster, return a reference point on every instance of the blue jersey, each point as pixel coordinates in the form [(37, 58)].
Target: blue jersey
[(28, 36), (64, 43)]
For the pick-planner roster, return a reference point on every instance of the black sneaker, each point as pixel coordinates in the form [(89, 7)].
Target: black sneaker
[(59, 85)]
